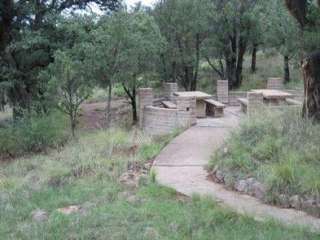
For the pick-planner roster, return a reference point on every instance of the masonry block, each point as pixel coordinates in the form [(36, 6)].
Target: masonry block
[(170, 89), (223, 91), (145, 99)]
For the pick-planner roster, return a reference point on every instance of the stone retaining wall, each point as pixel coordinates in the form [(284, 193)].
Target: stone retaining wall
[(154, 119)]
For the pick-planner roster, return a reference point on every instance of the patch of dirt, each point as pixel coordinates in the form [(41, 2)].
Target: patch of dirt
[(93, 115)]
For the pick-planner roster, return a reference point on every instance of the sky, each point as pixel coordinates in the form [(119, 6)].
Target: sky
[(144, 2)]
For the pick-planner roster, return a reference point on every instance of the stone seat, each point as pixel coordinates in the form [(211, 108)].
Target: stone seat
[(244, 104), (293, 102), (168, 104), (214, 108)]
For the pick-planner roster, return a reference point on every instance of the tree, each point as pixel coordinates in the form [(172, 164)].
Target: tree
[(103, 53), (141, 44), (184, 24), (28, 39), (68, 85), (308, 16), (232, 27), (282, 33)]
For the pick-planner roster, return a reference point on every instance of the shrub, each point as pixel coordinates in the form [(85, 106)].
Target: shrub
[(279, 148), (33, 134)]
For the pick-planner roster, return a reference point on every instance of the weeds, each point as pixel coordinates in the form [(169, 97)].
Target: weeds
[(279, 148)]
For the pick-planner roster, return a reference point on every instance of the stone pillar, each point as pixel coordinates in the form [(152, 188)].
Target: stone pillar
[(223, 91), (170, 89), (255, 102), (186, 111), (145, 99), (275, 83)]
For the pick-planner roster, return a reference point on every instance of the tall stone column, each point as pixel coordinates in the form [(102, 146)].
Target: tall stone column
[(145, 99), (170, 89), (223, 91)]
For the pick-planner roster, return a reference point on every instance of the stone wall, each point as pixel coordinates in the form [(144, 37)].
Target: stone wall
[(159, 121), (156, 120)]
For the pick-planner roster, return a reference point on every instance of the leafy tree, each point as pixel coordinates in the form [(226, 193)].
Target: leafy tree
[(68, 84), (141, 44), (104, 52), (282, 32), (307, 14), (28, 39), (184, 25), (232, 28)]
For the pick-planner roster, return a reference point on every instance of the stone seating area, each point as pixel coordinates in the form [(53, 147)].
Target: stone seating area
[(168, 104), (244, 104), (214, 108)]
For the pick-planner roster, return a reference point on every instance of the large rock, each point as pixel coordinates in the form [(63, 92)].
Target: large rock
[(295, 202), (241, 186), (39, 215), (284, 200), (259, 190)]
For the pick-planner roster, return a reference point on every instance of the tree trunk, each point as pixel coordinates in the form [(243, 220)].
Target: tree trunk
[(311, 73), (73, 124), (195, 75), (254, 58), (286, 69), (108, 110), (134, 105), (241, 51)]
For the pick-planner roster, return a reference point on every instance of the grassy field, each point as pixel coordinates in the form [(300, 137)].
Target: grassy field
[(86, 173)]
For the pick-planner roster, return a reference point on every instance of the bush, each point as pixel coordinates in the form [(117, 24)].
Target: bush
[(279, 148), (33, 134)]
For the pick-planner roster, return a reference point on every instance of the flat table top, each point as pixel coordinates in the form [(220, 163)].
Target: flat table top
[(273, 94), (196, 94)]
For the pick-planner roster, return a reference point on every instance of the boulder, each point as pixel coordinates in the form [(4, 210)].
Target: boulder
[(295, 202), (259, 190), (39, 215), (284, 200)]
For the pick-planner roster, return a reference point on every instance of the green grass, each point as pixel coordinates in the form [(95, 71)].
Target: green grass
[(280, 149), (86, 173)]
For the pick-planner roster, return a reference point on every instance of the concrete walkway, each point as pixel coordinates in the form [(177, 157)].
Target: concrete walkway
[(181, 166)]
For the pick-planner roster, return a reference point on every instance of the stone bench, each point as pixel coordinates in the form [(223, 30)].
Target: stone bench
[(244, 104), (293, 102), (214, 108), (168, 104)]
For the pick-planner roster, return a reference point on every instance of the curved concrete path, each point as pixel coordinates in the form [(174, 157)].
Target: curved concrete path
[(181, 166)]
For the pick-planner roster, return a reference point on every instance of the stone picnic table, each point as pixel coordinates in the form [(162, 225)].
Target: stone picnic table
[(273, 97), (200, 97)]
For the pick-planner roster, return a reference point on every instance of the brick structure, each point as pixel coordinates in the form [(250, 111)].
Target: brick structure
[(156, 120), (187, 111), (255, 102), (170, 89), (145, 99), (223, 91), (275, 83)]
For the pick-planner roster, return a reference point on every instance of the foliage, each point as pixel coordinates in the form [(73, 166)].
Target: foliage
[(32, 134), (84, 174), (184, 24), (68, 84), (278, 148), (28, 39)]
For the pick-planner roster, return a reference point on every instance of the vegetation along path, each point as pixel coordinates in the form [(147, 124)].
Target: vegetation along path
[(181, 166)]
